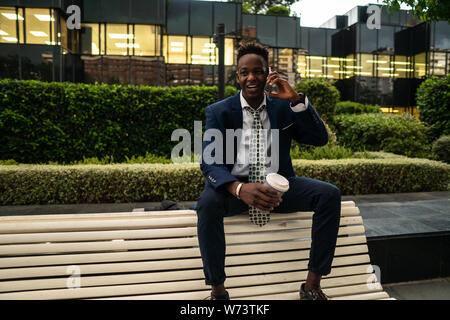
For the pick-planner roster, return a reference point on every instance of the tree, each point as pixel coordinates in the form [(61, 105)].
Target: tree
[(425, 10), (261, 6), (278, 11)]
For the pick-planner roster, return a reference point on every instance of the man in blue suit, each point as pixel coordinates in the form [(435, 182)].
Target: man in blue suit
[(228, 192)]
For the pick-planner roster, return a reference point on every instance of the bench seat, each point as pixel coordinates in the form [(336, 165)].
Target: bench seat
[(155, 255)]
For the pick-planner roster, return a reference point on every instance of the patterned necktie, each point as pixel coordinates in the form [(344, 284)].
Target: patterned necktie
[(257, 159)]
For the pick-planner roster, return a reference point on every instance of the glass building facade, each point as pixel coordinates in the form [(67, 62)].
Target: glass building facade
[(170, 43)]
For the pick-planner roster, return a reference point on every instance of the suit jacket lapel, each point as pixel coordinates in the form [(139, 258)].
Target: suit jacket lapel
[(237, 112)]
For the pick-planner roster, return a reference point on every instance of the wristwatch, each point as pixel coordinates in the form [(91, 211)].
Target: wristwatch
[(300, 100)]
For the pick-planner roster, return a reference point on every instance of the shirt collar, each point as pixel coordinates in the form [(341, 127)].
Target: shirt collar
[(244, 102)]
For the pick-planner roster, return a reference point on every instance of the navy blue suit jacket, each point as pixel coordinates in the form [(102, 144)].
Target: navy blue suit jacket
[(305, 127)]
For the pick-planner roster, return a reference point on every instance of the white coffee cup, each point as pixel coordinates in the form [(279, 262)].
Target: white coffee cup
[(277, 182)]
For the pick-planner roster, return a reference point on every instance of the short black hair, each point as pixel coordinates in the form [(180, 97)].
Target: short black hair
[(253, 47)]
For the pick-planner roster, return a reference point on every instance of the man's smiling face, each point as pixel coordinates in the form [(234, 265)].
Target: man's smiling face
[(251, 76)]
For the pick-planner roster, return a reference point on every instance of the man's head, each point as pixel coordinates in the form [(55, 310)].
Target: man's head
[(252, 71)]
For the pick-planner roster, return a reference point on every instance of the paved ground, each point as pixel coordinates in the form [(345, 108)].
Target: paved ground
[(383, 214), (435, 289), (404, 213)]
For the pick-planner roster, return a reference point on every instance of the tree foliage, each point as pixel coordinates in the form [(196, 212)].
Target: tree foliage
[(278, 11), (425, 10), (261, 6)]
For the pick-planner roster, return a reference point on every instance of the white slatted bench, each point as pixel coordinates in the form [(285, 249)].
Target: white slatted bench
[(155, 255)]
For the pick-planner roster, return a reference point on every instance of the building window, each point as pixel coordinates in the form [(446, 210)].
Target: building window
[(204, 51), (365, 65), (175, 49), (119, 41), (147, 40), (383, 66), (403, 66), (90, 43), (346, 66), (420, 65), (301, 65), (229, 52), (437, 63), (315, 66), (331, 66), (8, 19), (285, 59), (62, 37), (40, 26)]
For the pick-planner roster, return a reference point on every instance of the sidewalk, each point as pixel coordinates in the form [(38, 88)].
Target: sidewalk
[(434, 289)]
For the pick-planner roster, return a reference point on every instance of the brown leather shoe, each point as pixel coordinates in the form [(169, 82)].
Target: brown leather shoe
[(315, 294), (226, 296)]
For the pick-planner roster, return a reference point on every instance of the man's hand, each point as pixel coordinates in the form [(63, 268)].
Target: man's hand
[(258, 195), (285, 91)]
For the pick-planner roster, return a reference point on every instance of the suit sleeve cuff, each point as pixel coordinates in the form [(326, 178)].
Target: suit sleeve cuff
[(300, 106)]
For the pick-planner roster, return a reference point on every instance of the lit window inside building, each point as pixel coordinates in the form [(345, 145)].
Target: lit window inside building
[(331, 66), (148, 39), (40, 25), (420, 65), (365, 65), (301, 65), (204, 51), (90, 43), (315, 66), (383, 66), (437, 63), (285, 60), (403, 67), (175, 49), (229, 52), (8, 17), (118, 40)]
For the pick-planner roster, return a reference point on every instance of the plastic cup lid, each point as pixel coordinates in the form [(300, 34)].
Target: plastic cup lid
[(277, 182)]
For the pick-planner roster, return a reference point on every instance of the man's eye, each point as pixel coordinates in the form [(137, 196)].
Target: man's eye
[(259, 72), (244, 73)]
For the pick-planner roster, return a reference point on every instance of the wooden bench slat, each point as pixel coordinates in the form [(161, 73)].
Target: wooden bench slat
[(67, 259), (292, 292), (151, 277), (344, 205), (23, 238), (179, 286), (282, 291), (366, 296), (236, 292), (16, 273), (47, 248), (131, 222)]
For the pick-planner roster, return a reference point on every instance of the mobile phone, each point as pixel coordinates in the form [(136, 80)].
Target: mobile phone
[(269, 88)]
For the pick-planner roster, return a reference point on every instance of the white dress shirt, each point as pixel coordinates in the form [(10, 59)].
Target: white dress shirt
[(240, 168)]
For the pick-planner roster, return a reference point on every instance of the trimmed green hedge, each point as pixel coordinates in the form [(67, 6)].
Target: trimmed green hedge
[(401, 134), (350, 107), (47, 184), (322, 94), (65, 122), (441, 148), (433, 102)]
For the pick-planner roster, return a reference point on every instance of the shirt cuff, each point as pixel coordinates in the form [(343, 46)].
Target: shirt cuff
[(300, 106)]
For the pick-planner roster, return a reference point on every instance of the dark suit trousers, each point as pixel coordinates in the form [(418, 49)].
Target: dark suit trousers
[(304, 194)]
